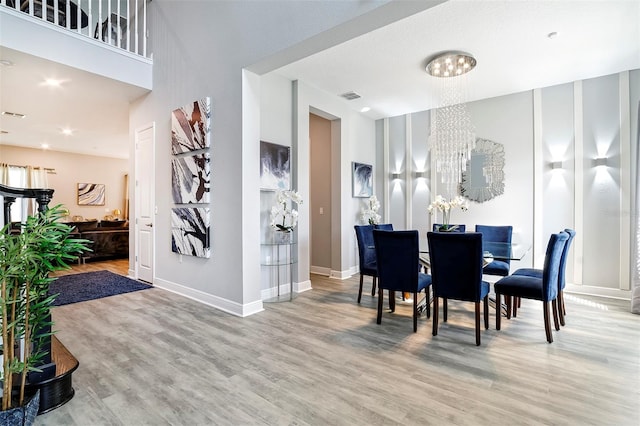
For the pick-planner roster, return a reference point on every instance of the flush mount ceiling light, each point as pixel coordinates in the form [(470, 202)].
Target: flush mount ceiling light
[(450, 64), (6, 62)]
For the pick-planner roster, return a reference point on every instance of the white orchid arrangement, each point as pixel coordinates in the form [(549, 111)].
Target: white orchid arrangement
[(283, 216), (441, 204), (369, 212)]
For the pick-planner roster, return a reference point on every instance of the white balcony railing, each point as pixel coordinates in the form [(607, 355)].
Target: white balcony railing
[(120, 23)]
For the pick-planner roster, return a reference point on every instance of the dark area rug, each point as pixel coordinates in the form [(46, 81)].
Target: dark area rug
[(92, 285)]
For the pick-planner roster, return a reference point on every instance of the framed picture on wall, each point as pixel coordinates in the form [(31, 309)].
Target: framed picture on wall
[(362, 180), (275, 166), (91, 194)]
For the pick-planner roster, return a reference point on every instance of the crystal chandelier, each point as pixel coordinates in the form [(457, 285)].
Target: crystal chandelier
[(452, 135)]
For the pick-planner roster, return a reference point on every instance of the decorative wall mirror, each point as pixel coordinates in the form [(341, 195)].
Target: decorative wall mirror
[(484, 177)]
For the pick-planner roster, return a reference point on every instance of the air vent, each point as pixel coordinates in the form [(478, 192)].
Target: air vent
[(350, 96), (13, 114), (3, 132)]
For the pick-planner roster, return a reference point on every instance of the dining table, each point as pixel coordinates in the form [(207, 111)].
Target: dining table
[(491, 250)]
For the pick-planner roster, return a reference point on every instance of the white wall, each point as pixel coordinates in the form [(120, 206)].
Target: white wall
[(574, 123)]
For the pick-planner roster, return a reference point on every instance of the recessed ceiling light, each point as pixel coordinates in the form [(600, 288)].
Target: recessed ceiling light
[(44, 146), (365, 109), (52, 82), (6, 62), (67, 131)]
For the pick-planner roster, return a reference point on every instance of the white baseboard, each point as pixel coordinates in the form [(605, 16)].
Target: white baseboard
[(272, 292), (320, 270), (343, 275), (587, 290), (303, 286), (225, 305)]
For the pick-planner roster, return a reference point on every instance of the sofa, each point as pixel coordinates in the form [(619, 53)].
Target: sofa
[(108, 239)]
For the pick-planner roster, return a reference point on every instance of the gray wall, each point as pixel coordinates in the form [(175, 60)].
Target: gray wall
[(200, 49)]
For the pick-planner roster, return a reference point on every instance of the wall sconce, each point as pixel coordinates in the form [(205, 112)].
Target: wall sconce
[(556, 165), (395, 176), (420, 175), (600, 161)]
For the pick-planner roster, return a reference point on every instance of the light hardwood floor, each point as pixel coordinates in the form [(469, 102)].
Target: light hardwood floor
[(153, 357)]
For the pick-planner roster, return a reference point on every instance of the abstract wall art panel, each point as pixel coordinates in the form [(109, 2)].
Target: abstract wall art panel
[(275, 166), (362, 179), (91, 194), (191, 127), (190, 230), (191, 178)]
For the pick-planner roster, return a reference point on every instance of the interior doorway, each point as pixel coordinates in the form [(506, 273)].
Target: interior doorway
[(320, 194)]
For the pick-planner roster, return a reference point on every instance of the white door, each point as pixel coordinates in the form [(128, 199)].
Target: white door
[(145, 209)]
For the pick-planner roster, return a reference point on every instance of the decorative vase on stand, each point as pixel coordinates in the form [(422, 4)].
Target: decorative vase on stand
[(282, 237)]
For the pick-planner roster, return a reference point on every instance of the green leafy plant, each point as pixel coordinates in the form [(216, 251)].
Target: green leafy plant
[(27, 257)]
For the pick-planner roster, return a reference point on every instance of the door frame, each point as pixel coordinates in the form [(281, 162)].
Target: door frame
[(136, 192)]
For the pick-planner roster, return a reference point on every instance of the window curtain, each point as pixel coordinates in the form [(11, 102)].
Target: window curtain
[(635, 214), (4, 174), (36, 178)]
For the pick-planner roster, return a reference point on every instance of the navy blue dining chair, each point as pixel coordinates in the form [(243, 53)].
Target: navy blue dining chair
[(544, 289), (384, 226), (397, 256), (456, 279), (458, 227), (561, 310), (496, 234), (367, 256)]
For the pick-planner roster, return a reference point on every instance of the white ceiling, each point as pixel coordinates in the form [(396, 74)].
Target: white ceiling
[(507, 38), (95, 108), (386, 67)]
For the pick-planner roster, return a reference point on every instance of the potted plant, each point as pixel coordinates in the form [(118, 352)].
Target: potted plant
[(41, 246), (284, 217), (445, 206)]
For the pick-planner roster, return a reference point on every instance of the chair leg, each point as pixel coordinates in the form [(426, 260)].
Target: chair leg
[(435, 315), (373, 287), (498, 313), (561, 311), (515, 307), (477, 323), (547, 322), (508, 300), (554, 304), (486, 312), (427, 301), (415, 312), (360, 291), (444, 309), (564, 311), (380, 297), (392, 300)]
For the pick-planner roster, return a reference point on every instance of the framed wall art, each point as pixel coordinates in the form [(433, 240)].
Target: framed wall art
[(190, 230), (191, 127), (191, 178), (91, 194), (275, 166), (362, 180)]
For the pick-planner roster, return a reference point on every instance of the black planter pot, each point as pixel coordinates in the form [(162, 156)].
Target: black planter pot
[(22, 416)]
